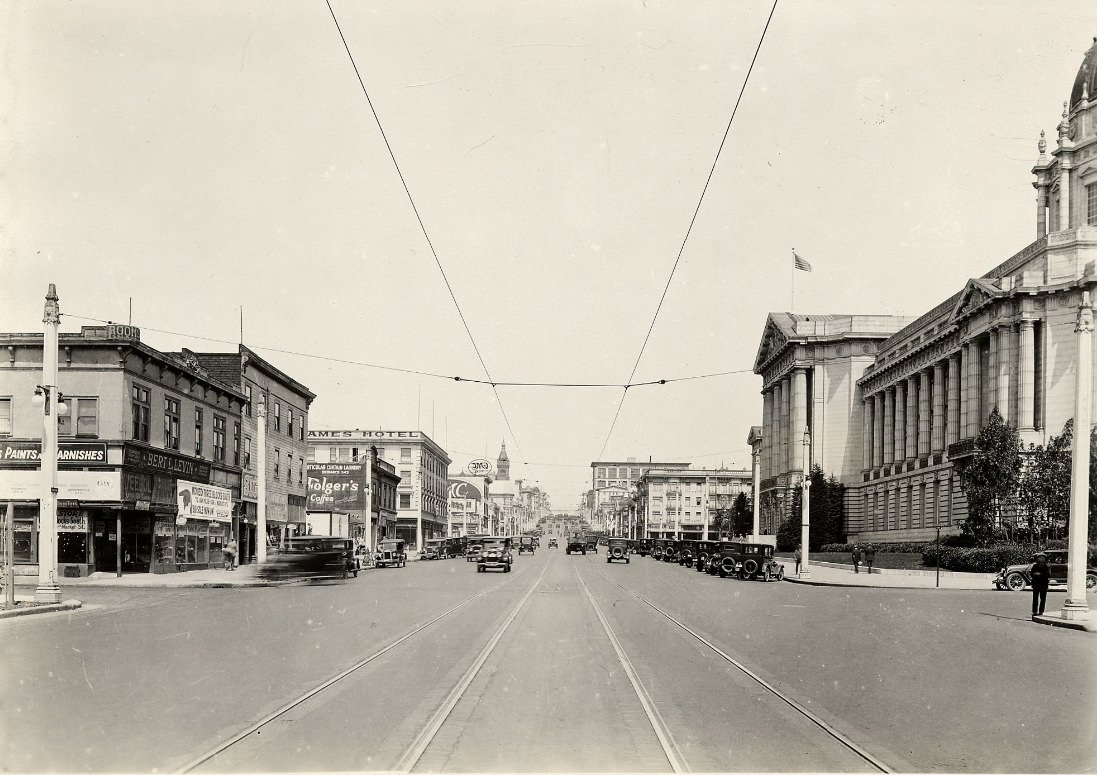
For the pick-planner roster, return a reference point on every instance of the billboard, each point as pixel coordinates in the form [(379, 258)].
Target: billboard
[(204, 501), (337, 487), (466, 497)]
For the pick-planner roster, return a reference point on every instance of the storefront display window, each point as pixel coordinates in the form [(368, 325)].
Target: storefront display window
[(72, 547), (165, 542), (216, 541), (24, 544)]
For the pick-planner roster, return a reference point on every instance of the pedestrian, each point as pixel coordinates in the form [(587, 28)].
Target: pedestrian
[(799, 556), (870, 555), (856, 558), (229, 553), (1040, 574)]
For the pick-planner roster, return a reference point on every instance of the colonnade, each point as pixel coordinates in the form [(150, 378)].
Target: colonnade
[(785, 418)]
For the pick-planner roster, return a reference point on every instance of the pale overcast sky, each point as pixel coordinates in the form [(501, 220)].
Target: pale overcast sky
[(202, 157)]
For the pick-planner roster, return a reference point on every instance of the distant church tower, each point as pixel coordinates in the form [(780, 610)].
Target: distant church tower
[(502, 465)]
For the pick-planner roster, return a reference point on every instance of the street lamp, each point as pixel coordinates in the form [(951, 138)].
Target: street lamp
[(805, 507), (48, 397)]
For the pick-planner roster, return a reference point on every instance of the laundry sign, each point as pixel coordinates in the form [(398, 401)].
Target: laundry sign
[(204, 501)]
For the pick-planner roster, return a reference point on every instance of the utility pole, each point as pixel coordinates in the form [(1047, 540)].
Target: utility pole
[(261, 495), (48, 590), (1076, 608), (805, 508)]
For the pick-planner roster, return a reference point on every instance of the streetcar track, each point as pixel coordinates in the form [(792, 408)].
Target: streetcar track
[(826, 728), (281, 711), (662, 732), (415, 751)]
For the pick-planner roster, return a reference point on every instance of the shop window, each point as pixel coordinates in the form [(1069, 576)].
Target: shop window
[(141, 412), (72, 547), (5, 416), (218, 438), (171, 423), (23, 543), (236, 443), (165, 542), (197, 432)]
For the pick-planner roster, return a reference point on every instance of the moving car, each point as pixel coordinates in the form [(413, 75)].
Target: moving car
[(391, 553), (576, 544), (495, 553), (433, 549), (1017, 577), (526, 544), (312, 557), (617, 549), (592, 545), (552, 543)]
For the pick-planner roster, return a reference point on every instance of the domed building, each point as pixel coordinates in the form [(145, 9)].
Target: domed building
[(1005, 340)]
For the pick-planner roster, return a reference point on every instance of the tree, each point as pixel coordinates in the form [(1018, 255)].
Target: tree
[(1045, 488), (742, 515), (991, 480), (826, 509)]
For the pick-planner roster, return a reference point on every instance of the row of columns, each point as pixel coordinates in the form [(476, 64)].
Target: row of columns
[(943, 403), (785, 418)]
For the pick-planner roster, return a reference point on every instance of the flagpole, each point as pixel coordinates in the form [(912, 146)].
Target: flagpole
[(792, 277)]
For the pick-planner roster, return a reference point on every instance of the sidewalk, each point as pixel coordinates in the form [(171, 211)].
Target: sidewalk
[(828, 574)]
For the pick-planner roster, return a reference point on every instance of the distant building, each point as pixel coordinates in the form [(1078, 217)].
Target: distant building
[(149, 466), (612, 482), (421, 464), (682, 504)]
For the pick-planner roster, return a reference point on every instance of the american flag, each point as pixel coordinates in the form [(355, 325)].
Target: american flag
[(800, 263)]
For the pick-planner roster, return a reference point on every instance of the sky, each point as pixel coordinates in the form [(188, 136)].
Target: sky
[(205, 163)]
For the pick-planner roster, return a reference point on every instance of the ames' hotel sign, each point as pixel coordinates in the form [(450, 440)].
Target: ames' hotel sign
[(356, 434)]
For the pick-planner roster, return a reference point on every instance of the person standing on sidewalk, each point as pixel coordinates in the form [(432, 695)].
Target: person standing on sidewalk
[(856, 558), (798, 555), (1040, 573), (870, 555), (230, 554)]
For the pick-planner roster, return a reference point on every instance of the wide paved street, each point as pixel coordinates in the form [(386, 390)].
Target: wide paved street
[(566, 664)]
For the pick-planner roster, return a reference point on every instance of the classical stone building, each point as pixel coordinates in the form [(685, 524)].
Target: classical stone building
[(1005, 340)]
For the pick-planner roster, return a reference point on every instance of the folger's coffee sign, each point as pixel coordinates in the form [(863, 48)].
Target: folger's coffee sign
[(337, 487), (70, 453)]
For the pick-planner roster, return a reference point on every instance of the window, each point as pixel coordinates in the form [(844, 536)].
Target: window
[(247, 452), (218, 438), (141, 411), (5, 416), (405, 500), (197, 432), (1091, 204), (289, 423), (277, 416), (342, 454), (405, 454), (236, 443), (277, 461), (84, 412), (171, 423), (301, 473), (247, 402)]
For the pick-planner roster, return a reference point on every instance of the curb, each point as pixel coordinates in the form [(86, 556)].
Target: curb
[(813, 583), (66, 605), (1083, 625)]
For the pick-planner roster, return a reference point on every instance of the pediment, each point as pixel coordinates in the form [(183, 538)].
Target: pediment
[(976, 293), (773, 341)]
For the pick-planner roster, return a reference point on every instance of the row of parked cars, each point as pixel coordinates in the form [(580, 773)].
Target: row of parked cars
[(327, 557), (738, 559)]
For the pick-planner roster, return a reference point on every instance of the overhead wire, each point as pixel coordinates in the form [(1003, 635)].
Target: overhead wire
[(689, 229)]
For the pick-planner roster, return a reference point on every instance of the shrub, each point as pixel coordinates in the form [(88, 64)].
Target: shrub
[(962, 540)]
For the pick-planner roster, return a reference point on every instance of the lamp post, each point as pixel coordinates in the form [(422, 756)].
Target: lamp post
[(1076, 608), (805, 508), (49, 398), (261, 491), (756, 474)]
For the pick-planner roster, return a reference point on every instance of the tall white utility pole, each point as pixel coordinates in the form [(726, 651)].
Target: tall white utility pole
[(805, 508), (48, 590), (756, 477), (261, 495), (1076, 608)]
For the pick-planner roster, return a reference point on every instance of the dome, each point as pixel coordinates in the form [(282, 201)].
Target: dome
[(1087, 77)]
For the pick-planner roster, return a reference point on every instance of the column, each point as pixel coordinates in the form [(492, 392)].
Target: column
[(786, 436), (911, 449), (1064, 197), (866, 433), (954, 403), (974, 390), (924, 417), (965, 386), (1041, 211), (1005, 337), (878, 430), (778, 439), (900, 420), (937, 439), (798, 410), (767, 432), (992, 372), (889, 426), (1026, 387)]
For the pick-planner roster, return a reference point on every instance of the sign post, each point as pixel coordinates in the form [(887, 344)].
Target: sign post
[(9, 556)]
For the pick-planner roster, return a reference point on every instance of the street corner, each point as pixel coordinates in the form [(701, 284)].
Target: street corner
[(1057, 620), (28, 608)]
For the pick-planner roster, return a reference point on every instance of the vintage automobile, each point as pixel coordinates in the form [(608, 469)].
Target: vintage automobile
[(617, 549), (686, 552), (1017, 577), (724, 559), (526, 544), (576, 544), (670, 550), (658, 547), (643, 547), (702, 551), (433, 549), (752, 561), (592, 544), (495, 553), (391, 553), (312, 557), (552, 543)]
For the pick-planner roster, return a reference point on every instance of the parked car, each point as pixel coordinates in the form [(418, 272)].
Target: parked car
[(702, 551), (310, 557), (391, 554), (686, 550), (670, 550), (643, 547), (725, 559), (750, 561), (433, 549), (1017, 577), (576, 544), (526, 544), (658, 548), (617, 549), (495, 553)]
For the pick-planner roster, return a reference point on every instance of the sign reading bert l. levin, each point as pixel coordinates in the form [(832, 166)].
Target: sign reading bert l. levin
[(204, 501), (337, 487)]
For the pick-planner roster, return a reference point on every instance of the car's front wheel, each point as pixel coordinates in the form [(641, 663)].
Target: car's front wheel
[(1091, 580), (1015, 582), (766, 575)]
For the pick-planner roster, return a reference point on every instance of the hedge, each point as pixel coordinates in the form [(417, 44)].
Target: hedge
[(961, 558)]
